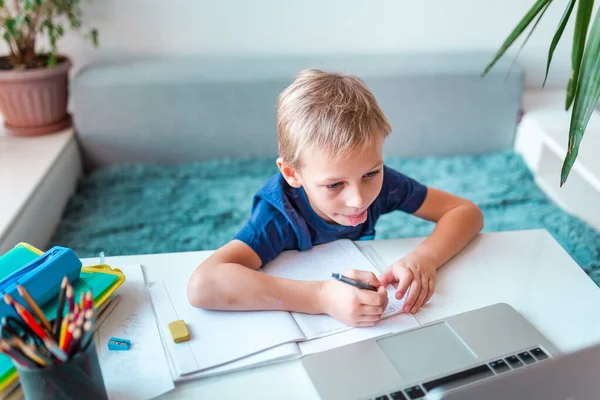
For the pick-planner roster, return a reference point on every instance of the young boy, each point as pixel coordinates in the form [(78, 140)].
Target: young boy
[(333, 184)]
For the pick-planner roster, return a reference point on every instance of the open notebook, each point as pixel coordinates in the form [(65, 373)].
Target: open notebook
[(223, 341)]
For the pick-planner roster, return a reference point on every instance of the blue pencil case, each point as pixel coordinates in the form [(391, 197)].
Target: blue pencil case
[(41, 277)]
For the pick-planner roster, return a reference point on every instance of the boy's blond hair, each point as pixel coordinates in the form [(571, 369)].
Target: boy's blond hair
[(331, 111)]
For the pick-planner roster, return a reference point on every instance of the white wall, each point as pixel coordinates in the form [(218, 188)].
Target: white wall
[(171, 27)]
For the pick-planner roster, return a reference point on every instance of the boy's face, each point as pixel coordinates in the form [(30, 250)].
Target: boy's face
[(339, 189)]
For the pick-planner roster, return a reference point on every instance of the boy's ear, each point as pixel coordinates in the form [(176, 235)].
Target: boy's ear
[(289, 173)]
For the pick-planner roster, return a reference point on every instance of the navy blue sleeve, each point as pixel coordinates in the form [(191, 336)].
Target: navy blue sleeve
[(400, 192), (267, 232)]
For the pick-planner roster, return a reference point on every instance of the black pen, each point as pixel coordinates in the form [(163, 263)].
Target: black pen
[(355, 283)]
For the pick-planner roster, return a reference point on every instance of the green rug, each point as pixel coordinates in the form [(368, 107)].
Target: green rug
[(141, 209)]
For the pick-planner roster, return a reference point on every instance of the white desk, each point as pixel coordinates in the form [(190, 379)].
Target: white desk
[(526, 269)]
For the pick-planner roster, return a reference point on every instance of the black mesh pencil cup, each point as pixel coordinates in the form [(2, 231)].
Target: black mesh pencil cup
[(78, 378)]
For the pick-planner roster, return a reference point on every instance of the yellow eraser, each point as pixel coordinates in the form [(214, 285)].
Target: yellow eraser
[(179, 331)]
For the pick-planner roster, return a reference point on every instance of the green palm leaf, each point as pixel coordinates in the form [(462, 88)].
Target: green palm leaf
[(557, 35), (537, 21), (584, 12), (521, 26), (588, 93)]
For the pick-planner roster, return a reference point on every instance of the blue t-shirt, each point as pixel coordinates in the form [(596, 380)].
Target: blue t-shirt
[(282, 218)]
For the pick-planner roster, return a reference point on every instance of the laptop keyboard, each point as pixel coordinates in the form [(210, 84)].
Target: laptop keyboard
[(492, 368)]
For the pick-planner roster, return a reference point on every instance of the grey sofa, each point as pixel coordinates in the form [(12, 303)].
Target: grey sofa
[(198, 108)]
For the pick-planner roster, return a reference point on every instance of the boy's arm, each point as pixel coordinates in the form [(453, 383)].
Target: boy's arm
[(229, 280), (458, 220)]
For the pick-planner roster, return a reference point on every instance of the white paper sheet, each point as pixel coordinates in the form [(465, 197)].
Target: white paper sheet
[(182, 361), (219, 337), (142, 372), (317, 264), (281, 353)]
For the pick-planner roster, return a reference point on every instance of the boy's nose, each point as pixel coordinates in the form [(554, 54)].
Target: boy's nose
[(356, 200)]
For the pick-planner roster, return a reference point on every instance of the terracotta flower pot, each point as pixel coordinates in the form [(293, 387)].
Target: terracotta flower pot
[(34, 101)]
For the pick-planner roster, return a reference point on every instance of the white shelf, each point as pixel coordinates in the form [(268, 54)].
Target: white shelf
[(37, 176), (542, 138)]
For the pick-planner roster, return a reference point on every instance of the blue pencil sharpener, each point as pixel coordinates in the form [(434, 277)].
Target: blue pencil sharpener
[(118, 344)]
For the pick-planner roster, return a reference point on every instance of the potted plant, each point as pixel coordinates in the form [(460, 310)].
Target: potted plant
[(583, 88), (33, 83)]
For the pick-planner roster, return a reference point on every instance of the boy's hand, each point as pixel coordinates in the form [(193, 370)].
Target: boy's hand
[(417, 272), (353, 306)]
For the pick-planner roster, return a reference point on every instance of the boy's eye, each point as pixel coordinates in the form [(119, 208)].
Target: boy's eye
[(334, 185), (371, 174)]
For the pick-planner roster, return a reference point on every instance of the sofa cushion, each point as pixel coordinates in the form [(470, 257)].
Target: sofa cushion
[(196, 108)]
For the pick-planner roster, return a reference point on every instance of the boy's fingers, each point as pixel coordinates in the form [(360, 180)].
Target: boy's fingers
[(387, 277), (364, 276), (365, 324), (422, 295), (369, 318), (415, 289), (370, 298), (372, 310), (382, 291), (403, 282), (430, 291)]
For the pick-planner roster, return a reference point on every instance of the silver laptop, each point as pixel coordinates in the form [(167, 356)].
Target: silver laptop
[(571, 376), (447, 354)]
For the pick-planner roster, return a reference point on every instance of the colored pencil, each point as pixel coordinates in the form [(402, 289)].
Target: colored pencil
[(74, 343), (65, 345), (61, 306), (89, 300), (54, 349), (26, 316), (76, 313), (80, 321), (7, 330), (63, 330), (90, 315), (48, 341), (42, 352), (29, 351), (34, 307), (70, 300), (88, 334), (16, 355)]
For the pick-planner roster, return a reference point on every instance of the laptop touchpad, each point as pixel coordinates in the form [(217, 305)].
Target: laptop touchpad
[(427, 351)]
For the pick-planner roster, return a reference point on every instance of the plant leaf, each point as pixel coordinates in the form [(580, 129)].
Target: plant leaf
[(19, 21), (10, 24), (558, 35), (584, 12), (93, 36), (524, 23), (28, 5), (537, 21), (587, 95)]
